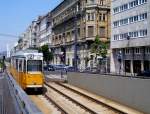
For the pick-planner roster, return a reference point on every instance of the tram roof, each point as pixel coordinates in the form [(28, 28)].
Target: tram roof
[(24, 53)]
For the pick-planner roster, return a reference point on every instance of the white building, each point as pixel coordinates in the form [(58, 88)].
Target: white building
[(44, 32), (130, 39)]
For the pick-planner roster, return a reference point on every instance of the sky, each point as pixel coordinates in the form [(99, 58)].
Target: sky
[(17, 15)]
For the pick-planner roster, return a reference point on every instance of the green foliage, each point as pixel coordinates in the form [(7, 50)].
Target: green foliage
[(48, 56), (99, 47)]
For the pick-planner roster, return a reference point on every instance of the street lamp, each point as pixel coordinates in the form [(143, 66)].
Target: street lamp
[(119, 58), (62, 61), (75, 40)]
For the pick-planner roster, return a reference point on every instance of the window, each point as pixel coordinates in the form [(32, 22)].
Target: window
[(90, 31), (101, 2), (143, 16), (102, 31), (116, 37), (125, 6), (135, 18), (129, 5), (20, 63), (24, 66), (104, 17), (34, 65), (143, 33), (116, 10), (131, 20), (128, 20), (147, 50), (78, 32), (127, 51), (100, 17), (90, 16), (134, 34), (137, 50)]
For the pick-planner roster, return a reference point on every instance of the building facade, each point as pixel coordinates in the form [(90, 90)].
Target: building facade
[(80, 21), (39, 33), (44, 31), (130, 38), (72, 25)]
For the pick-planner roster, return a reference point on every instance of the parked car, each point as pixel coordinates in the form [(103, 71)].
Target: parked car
[(49, 68), (69, 68), (59, 67), (144, 73)]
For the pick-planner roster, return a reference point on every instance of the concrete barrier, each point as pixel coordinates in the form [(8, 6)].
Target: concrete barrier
[(6, 101), (133, 92)]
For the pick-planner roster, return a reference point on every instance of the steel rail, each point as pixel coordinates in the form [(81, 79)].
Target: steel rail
[(91, 98), (71, 99), (55, 104)]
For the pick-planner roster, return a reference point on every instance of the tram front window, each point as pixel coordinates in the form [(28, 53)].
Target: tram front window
[(34, 65)]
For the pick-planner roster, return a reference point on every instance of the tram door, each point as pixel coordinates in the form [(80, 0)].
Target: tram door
[(20, 70)]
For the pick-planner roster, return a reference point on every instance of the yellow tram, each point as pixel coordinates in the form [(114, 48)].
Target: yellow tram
[(27, 69)]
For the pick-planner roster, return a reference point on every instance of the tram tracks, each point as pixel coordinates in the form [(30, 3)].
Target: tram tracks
[(55, 104), (78, 104), (90, 98), (85, 102)]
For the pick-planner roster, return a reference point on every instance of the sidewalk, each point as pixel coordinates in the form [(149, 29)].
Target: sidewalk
[(2, 108)]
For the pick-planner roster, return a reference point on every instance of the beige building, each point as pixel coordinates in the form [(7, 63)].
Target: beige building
[(84, 19)]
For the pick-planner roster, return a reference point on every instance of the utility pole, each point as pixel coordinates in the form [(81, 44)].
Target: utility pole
[(76, 38), (3, 63)]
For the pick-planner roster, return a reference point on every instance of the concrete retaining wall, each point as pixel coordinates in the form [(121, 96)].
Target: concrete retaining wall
[(132, 92), (6, 101)]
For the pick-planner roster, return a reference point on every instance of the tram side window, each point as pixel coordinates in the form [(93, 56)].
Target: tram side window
[(20, 65), (24, 69), (16, 65)]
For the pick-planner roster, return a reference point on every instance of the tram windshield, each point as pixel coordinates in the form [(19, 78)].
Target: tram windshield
[(34, 65)]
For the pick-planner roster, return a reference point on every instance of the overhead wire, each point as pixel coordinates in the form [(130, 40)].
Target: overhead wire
[(9, 35)]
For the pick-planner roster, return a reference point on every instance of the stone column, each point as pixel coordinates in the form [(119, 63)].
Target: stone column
[(142, 65), (131, 67)]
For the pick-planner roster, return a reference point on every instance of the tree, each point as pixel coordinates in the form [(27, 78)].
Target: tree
[(47, 55), (100, 48)]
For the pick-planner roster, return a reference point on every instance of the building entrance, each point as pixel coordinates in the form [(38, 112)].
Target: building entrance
[(146, 65), (136, 66), (127, 66)]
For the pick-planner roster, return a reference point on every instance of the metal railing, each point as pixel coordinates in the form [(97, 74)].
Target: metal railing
[(21, 101)]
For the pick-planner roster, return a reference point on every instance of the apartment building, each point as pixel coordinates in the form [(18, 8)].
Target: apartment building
[(44, 31), (24, 40), (39, 33), (34, 32), (83, 19), (130, 38)]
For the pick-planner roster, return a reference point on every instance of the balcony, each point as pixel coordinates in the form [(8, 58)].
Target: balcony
[(66, 18), (91, 5)]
